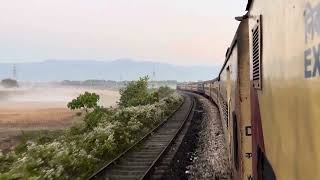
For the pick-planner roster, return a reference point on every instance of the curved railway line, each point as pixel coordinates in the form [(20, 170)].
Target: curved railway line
[(142, 160)]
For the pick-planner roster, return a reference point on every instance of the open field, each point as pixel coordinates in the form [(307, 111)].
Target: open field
[(40, 109)]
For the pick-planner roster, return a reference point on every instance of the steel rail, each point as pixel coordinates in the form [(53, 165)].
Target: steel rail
[(148, 174)]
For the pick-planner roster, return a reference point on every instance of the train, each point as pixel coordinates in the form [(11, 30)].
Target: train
[(268, 91)]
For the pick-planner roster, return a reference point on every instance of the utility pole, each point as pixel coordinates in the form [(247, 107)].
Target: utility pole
[(119, 84), (153, 77), (14, 72)]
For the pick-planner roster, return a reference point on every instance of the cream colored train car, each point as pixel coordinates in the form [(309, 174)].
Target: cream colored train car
[(268, 92), (284, 38), (233, 100), (207, 87)]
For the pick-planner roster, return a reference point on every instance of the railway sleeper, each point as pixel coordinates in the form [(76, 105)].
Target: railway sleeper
[(150, 150), (161, 168), (121, 177), (147, 152), (166, 131), (159, 142), (126, 172), (160, 171), (134, 159), (156, 177), (161, 135), (159, 139), (131, 163), (156, 144), (151, 146), (143, 155), (173, 125), (132, 168)]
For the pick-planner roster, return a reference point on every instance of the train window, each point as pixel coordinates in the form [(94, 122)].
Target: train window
[(257, 54)]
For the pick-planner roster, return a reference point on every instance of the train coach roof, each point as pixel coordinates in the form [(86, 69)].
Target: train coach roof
[(234, 41), (229, 51), (212, 80)]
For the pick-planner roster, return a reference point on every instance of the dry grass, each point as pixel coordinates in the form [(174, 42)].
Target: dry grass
[(34, 115)]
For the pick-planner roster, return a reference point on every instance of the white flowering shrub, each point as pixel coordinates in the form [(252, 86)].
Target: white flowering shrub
[(83, 149)]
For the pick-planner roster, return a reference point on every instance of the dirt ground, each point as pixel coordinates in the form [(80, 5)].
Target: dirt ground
[(40, 109)]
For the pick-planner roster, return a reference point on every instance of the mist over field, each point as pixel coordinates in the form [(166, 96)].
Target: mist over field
[(45, 96), (41, 107)]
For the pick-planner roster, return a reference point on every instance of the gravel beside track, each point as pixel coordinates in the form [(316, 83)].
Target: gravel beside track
[(210, 156), (203, 152)]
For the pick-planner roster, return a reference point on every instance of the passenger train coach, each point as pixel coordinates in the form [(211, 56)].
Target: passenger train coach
[(268, 91)]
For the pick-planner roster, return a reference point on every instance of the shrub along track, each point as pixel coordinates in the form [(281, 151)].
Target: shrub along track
[(145, 159)]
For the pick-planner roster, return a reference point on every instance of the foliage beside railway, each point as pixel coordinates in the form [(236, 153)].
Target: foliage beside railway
[(104, 133), (137, 93)]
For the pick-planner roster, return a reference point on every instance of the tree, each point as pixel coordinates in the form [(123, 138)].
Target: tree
[(8, 83), (136, 93), (85, 101), (164, 91)]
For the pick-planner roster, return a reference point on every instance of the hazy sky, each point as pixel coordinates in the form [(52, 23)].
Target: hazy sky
[(172, 31)]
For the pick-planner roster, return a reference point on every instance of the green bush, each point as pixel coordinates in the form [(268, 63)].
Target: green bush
[(84, 101), (136, 93), (164, 91)]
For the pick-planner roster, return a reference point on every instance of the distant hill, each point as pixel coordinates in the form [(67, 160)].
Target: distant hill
[(124, 69)]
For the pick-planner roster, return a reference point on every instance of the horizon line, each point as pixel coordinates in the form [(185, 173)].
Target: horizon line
[(102, 61)]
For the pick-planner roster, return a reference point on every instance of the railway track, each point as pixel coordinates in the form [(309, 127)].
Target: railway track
[(139, 161)]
